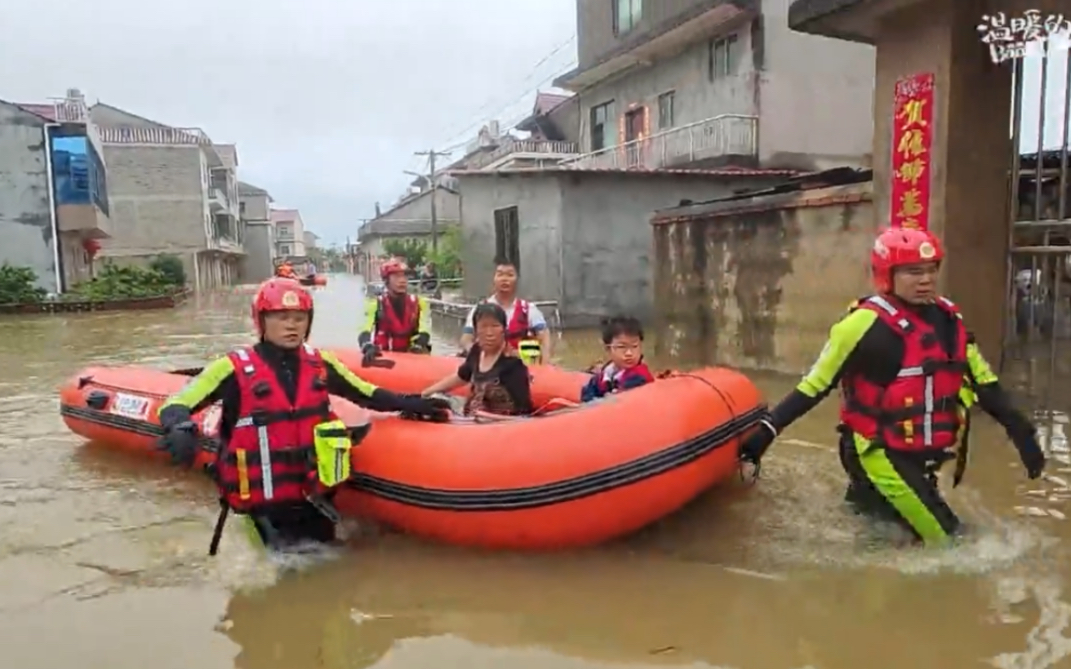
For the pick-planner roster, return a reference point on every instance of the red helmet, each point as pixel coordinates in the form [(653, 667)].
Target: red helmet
[(279, 294), (392, 266), (896, 247)]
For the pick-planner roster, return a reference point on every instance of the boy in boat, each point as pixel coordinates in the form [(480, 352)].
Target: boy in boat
[(283, 452), (396, 320), (499, 384), (909, 372), (623, 338)]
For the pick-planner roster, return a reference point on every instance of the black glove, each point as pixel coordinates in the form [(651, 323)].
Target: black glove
[(421, 344), (754, 447), (371, 352), (180, 442), (416, 406), (1031, 454)]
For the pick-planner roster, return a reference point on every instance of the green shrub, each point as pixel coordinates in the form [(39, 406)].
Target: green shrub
[(17, 285), (120, 283), (171, 267)]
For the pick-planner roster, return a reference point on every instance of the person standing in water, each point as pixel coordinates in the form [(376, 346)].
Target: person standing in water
[(909, 372), (283, 451), (396, 320), (526, 327)]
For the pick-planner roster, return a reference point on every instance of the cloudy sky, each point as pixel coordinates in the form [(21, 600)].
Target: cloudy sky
[(326, 99)]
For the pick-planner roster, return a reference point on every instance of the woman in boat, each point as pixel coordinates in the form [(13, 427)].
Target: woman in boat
[(498, 379)]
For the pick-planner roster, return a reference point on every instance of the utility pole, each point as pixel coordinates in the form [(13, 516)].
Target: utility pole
[(431, 154)]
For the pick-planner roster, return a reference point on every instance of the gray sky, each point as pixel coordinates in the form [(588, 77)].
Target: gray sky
[(326, 99)]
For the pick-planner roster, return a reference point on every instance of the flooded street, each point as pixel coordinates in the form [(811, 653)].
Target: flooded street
[(103, 555)]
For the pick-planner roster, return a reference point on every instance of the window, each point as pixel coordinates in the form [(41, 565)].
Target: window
[(508, 235), (723, 57), (665, 110), (284, 249), (627, 14), (241, 209), (600, 126), (285, 231)]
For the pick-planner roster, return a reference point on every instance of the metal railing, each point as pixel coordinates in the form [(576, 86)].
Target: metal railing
[(723, 135), (526, 146), (460, 310)]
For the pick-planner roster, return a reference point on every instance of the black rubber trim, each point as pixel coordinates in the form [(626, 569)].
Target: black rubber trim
[(579, 487)]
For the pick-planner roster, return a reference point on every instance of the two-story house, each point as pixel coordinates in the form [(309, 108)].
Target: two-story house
[(53, 190), (254, 211), (680, 83), (289, 234), (172, 190)]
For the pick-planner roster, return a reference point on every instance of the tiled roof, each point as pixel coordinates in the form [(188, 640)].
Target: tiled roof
[(142, 135)]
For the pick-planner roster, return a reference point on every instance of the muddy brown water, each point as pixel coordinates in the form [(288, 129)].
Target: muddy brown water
[(102, 555)]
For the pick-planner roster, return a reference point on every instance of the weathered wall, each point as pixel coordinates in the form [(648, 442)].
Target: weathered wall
[(758, 283), (539, 202), (606, 236), (157, 200), (255, 206), (258, 263), (26, 234)]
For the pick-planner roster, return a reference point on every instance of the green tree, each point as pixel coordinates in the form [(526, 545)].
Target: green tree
[(413, 251), (448, 259), (171, 267)]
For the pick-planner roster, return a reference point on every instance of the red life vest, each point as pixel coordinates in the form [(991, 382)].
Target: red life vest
[(394, 331), (610, 383), (518, 327), (270, 457), (920, 410)]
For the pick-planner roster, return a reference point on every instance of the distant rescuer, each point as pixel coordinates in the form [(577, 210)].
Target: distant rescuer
[(909, 372), (283, 451), (526, 327), (396, 320)]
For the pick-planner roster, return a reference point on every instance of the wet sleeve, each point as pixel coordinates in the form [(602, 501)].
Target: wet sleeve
[(424, 316), (590, 391), (837, 354), (537, 322), (469, 327), (344, 383), (991, 396), (518, 384), (464, 370), (206, 388), (371, 308)]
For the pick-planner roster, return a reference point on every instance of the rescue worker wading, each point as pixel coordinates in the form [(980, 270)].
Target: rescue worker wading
[(526, 327), (396, 320), (283, 451), (909, 372)]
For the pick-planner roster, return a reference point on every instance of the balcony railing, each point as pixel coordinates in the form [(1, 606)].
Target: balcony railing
[(724, 135), (529, 148)]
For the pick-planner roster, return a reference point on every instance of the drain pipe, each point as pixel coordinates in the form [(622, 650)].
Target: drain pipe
[(57, 257)]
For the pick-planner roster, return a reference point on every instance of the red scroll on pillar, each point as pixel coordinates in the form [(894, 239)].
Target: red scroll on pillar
[(911, 142)]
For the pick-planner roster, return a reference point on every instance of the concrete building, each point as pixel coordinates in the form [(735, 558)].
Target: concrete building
[(311, 242), (580, 237), (969, 155), (254, 210), (410, 218), (289, 234), (53, 190), (682, 83), (553, 129), (172, 190)]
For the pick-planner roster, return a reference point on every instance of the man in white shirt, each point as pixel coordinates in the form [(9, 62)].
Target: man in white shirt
[(526, 329)]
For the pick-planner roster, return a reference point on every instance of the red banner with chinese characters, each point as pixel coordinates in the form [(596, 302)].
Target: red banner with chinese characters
[(911, 142)]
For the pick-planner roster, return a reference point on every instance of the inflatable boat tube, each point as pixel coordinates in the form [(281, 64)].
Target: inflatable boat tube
[(574, 477)]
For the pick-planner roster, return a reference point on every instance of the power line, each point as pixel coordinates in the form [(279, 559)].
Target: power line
[(505, 107), (480, 114)]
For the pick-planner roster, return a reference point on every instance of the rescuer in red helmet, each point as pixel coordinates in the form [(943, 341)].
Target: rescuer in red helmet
[(282, 451), (396, 320), (908, 371)]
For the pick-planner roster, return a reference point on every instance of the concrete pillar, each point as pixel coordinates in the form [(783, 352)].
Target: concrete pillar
[(970, 154)]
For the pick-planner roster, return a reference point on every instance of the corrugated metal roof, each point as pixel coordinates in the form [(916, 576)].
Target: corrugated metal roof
[(142, 135)]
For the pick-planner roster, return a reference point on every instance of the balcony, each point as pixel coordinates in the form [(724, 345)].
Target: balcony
[(523, 152), (720, 137), (217, 201), (85, 219)]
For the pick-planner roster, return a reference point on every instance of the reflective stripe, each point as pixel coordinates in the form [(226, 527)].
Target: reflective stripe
[(910, 371), (927, 418), (339, 462), (243, 475), (265, 462), (884, 304)]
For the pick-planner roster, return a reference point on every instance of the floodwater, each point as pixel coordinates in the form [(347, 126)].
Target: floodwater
[(103, 565)]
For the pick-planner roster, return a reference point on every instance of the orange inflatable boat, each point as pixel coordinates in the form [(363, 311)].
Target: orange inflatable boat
[(571, 477)]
